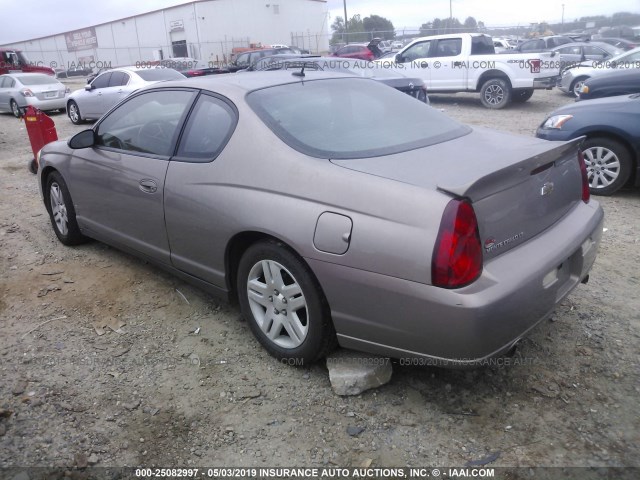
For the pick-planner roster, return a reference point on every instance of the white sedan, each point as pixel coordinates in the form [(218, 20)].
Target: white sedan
[(19, 90), (108, 88)]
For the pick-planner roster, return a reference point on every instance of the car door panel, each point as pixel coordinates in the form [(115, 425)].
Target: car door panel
[(196, 195), (90, 102), (112, 203), (448, 70), (115, 92), (119, 182)]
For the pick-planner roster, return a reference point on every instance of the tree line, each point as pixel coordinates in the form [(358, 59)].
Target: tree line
[(364, 29)]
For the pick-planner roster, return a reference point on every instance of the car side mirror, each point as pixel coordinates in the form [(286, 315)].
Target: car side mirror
[(84, 139), (399, 58), (88, 87)]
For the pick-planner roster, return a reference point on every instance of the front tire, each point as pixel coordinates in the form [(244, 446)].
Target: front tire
[(283, 303), (74, 113), (576, 86), (495, 93), (61, 211), (608, 165)]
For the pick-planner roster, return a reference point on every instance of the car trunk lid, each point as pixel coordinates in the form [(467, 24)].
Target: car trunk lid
[(518, 186)]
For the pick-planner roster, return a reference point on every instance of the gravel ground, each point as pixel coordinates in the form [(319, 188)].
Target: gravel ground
[(157, 395)]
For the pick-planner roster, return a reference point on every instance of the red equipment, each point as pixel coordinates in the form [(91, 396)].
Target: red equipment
[(41, 130)]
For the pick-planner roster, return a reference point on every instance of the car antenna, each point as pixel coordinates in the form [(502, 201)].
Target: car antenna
[(301, 72)]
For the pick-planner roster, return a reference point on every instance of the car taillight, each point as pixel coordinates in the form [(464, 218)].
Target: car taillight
[(195, 73), (457, 257), (585, 178), (27, 93)]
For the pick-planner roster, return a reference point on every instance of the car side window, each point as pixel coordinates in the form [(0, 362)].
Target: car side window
[(102, 81), (419, 50), (3, 82), (591, 50), (147, 123), (118, 79), (532, 45), (449, 47), (208, 130), (242, 60)]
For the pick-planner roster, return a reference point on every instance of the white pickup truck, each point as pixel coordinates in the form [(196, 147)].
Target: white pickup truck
[(467, 62)]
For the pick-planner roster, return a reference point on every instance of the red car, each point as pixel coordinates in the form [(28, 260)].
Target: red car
[(361, 51), (12, 61)]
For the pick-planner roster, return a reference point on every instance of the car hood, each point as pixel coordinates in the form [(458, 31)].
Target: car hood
[(598, 104)]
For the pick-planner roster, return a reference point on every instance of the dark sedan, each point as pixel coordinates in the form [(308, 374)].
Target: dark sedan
[(623, 82), (612, 147), (411, 86), (620, 43)]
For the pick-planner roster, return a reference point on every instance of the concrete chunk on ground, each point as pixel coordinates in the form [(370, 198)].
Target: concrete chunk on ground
[(352, 373)]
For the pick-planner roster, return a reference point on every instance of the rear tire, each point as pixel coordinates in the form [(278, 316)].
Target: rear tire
[(14, 108), (283, 304), (74, 113), (61, 211), (608, 164), (495, 93)]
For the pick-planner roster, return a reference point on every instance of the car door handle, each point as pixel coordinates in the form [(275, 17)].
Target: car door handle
[(148, 186)]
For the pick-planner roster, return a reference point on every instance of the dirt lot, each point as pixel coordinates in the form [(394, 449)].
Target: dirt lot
[(158, 395)]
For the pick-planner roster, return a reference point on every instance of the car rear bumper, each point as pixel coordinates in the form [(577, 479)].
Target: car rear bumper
[(546, 82), (463, 327), (53, 104)]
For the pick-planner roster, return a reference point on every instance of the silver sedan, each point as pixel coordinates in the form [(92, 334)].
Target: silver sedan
[(414, 237), (108, 88), (18, 90)]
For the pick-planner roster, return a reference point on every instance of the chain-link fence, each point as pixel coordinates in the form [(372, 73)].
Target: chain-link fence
[(216, 54)]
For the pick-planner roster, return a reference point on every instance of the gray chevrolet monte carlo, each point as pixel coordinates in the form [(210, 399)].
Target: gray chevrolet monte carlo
[(334, 209)]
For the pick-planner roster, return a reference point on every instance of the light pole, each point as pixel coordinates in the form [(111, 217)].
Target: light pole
[(450, 15), (562, 27), (346, 29)]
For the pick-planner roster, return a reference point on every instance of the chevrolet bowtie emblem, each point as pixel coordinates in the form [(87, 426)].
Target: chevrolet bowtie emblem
[(546, 189)]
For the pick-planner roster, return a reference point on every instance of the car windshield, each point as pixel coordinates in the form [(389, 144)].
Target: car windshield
[(350, 118), (158, 74), (630, 56), (36, 80)]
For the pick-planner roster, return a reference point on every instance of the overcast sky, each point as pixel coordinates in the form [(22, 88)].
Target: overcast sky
[(25, 19)]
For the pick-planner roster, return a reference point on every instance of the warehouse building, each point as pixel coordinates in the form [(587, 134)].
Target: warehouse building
[(208, 30)]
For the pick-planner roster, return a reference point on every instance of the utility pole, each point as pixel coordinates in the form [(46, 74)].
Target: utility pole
[(562, 27), (346, 29), (450, 16)]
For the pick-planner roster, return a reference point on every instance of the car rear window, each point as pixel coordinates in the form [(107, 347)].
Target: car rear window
[(350, 118), (158, 74), (36, 79)]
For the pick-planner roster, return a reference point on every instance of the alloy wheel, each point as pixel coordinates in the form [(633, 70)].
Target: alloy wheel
[(603, 166), (278, 304), (58, 208)]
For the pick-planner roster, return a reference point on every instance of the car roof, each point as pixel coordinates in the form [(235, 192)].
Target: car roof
[(239, 84), (582, 44)]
